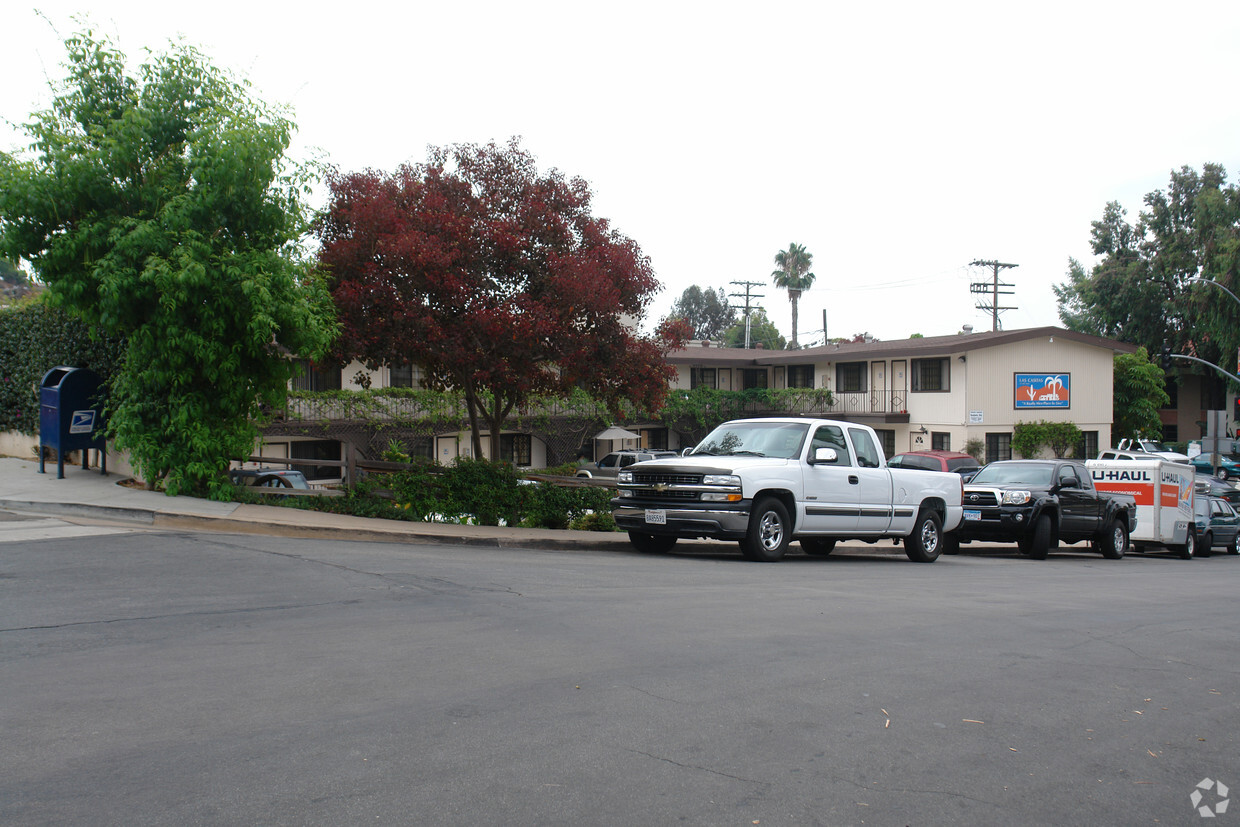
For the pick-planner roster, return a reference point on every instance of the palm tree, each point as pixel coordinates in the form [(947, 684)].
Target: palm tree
[(794, 276)]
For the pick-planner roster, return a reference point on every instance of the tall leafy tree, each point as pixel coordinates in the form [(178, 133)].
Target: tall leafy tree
[(160, 207), (707, 311), (761, 331), (794, 276), (494, 277), (1139, 390), (1140, 290)]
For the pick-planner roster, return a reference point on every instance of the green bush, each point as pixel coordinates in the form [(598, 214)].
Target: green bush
[(36, 337)]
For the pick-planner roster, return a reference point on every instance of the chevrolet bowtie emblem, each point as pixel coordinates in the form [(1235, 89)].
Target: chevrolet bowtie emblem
[(660, 487)]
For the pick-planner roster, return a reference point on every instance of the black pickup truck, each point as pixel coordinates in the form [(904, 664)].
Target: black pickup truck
[(1039, 503)]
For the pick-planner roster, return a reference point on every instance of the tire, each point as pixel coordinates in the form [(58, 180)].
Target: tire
[(951, 543), (1189, 548), (770, 532), (1114, 543), (1043, 536), (1224, 474), (925, 543), (1207, 543), (817, 546), (1234, 548), (651, 543)]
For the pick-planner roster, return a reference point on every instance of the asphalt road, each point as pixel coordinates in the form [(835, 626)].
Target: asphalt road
[(163, 678)]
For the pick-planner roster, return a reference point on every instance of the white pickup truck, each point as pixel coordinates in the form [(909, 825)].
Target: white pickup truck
[(765, 482)]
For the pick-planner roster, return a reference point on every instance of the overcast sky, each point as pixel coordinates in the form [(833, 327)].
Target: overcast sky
[(897, 141)]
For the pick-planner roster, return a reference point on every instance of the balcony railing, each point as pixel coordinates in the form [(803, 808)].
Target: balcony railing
[(421, 406)]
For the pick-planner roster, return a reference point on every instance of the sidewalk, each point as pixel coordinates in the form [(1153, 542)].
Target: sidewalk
[(89, 494)]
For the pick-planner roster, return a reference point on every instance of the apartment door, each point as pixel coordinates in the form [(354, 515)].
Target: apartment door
[(878, 386)]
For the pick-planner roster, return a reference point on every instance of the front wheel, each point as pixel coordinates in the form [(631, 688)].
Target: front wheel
[(1224, 474), (1115, 542), (1207, 543), (951, 543), (651, 543), (925, 543), (1043, 536), (770, 532), (1234, 548)]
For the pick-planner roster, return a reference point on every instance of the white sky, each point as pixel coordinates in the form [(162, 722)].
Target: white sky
[(896, 141)]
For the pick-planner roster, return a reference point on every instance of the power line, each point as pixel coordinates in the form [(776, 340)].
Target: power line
[(748, 294)]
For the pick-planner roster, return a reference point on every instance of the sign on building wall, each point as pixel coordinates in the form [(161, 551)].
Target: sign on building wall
[(1043, 390)]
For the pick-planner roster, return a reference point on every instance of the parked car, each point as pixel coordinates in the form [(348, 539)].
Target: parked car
[(1039, 503), (269, 478), (1207, 484), (1228, 468), (1218, 525), (610, 465), (962, 464), (1149, 446)]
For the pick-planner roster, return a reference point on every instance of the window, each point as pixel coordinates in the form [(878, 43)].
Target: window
[(405, 376), (318, 449), (800, 376), (830, 436), (888, 441), (931, 374), (310, 378), (702, 378), (1087, 448), (867, 451), (940, 441), (654, 438), (1067, 476), (753, 378), (998, 447), (515, 448), (1170, 433), (850, 377)]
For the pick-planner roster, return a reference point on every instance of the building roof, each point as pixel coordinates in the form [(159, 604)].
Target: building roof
[(859, 351)]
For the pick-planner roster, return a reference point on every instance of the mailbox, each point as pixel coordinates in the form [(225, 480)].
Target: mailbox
[(71, 416)]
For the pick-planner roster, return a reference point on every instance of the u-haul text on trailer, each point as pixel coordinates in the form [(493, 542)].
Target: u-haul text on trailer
[(1163, 491)]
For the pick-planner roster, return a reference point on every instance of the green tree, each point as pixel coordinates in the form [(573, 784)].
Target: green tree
[(794, 276), (762, 331), (707, 311), (161, 208), (1140, 289), (1139, 390)]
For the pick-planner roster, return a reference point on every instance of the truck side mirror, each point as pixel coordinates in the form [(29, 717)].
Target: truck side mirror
[(824, 455)]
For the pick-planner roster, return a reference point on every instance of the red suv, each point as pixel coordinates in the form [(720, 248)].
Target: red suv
[(954, 461)]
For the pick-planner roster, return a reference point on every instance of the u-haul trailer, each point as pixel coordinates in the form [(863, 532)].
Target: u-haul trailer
[(1164, 494)]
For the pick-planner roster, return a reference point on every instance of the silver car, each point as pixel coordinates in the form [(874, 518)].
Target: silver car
[(610, 465)]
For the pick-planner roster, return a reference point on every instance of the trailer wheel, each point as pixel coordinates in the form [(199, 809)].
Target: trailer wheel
[(1190, 546)]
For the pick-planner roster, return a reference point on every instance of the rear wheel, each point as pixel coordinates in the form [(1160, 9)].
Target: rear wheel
[(1189, 548), (1115, 542), (1224, 474), (817, 546), (925, 543), (651, 543), (1043, 537), (1234, 548), (770, 532)]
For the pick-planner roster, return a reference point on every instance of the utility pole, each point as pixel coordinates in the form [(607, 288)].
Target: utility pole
[(747, 295), (982, 288)]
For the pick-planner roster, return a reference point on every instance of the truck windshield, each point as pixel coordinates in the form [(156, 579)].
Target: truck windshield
[(760, 439), (1023, 473)]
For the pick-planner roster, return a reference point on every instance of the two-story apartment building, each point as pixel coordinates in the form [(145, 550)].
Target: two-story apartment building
[(918, 393)]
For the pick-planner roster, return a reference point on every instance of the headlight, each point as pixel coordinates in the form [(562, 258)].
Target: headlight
[(722, 479), (624, 492), (624, 476), (1016, 497)]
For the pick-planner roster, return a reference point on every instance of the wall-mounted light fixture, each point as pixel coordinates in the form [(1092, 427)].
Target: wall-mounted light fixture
[(962, 358), (922, 430)]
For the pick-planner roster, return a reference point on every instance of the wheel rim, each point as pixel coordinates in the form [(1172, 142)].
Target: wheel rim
[(1118, 538), (771, 531), (929, 537)]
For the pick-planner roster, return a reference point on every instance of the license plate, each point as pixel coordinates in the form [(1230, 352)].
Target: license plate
[(972, 515), (656, 516)]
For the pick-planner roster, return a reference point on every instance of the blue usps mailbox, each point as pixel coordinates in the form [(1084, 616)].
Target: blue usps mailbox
[(71, 416)]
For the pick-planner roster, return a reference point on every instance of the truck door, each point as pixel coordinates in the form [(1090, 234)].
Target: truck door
[(1078, 505), (832, 491), (874, 480)]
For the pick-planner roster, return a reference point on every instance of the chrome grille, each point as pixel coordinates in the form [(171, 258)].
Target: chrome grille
[(666, 478)]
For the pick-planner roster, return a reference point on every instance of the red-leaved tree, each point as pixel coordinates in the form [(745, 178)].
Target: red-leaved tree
[(494, 278)]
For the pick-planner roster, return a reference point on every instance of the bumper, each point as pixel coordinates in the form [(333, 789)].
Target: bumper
[(716, 520), (1005, 523)]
